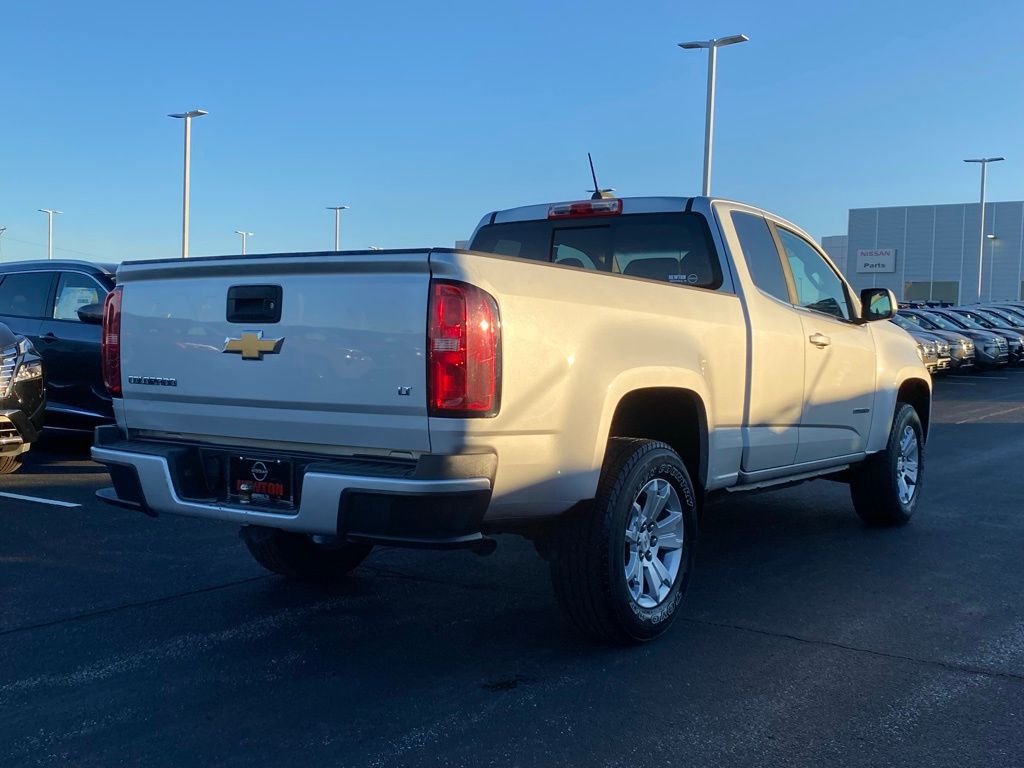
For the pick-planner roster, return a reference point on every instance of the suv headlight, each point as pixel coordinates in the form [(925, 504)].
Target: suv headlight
[(28, 371), (920, 351), (13, 359)]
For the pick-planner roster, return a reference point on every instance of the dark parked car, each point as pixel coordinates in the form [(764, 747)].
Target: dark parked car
[(22, 398), (995, 324), (1013, 316), (58, 306), (961, 346), (992, 347), (944, 349)]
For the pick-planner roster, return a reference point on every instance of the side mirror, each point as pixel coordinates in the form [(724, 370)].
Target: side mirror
[(91, 313), (877, 304)]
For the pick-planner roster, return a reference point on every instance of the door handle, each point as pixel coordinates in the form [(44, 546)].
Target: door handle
[(820, 340), (50, 337)]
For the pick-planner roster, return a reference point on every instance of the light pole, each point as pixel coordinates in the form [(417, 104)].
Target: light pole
[(187, 117), (337, 223), (709, 120), (49, 230), (2, 230), (984, 161), (243, 236)]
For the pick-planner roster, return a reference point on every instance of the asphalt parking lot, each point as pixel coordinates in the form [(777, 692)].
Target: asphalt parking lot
[(806, 639)]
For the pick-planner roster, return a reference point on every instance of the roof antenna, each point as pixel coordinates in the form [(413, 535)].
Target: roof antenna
[(599, 194)]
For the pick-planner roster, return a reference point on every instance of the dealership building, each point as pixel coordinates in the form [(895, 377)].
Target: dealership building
[(930, 252)]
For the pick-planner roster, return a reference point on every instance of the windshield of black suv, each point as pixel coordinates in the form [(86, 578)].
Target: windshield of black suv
[(671, 247), (937, 321), (1013, 314), (964, 321), (918, 321), (998, 317), (907, 323), (984, 321)]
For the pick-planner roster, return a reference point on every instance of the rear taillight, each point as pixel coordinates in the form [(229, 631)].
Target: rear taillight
[(110, 349), (464, 343)]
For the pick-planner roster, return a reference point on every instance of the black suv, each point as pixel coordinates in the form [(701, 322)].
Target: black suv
[(58, 306)]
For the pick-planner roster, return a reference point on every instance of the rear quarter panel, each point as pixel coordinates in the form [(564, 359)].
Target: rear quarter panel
[(574, 342)]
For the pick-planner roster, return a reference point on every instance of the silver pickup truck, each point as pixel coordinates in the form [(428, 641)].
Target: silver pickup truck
[(583, 375)]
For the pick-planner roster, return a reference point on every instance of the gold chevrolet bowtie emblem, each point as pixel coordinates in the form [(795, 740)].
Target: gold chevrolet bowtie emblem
[(252, 345)]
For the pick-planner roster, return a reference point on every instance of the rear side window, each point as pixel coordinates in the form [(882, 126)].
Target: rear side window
[(668, 247), (25, 294), (761, 255)]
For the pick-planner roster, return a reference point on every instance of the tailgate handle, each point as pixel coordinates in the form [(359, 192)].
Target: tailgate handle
[(254, 304)]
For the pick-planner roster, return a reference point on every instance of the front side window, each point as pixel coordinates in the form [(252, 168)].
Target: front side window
[(25, 294), (75, 290), (818, 287)]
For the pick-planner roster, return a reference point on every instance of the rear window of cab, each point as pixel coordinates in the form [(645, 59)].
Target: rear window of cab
[(667, 247)]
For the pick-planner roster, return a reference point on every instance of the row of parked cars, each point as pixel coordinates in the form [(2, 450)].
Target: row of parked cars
[(982, 336), (50, 328)]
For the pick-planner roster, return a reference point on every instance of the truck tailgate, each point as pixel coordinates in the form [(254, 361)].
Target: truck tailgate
[(343, 368)]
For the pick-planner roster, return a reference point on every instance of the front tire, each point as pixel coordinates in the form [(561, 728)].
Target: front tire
[(299, 556), (621, 566), (887, 486)]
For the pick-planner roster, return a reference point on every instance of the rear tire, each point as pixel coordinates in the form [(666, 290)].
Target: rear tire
[(9, 464), (298, 556), (611, 575), (887, 486)]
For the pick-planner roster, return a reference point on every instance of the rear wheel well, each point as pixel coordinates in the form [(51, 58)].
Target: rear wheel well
[(673, 416), (917, 394)]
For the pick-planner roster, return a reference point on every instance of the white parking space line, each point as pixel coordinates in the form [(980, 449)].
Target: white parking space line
[(990, 415), (38, 500)]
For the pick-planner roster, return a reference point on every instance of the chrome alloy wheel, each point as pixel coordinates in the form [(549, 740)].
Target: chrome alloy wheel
[(907, 465), (654, 543)]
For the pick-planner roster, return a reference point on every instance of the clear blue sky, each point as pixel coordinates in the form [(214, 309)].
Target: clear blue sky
[(423, 116)]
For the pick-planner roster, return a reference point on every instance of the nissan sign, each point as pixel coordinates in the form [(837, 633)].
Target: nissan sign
[(876, 260)]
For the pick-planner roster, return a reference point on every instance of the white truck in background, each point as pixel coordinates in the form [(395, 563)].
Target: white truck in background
[(583, 376)]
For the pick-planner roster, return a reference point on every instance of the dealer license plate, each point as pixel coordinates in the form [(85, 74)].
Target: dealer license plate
[(260, 482)]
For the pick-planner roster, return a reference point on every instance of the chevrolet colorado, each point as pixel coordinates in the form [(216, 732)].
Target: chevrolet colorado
[(583, 375)]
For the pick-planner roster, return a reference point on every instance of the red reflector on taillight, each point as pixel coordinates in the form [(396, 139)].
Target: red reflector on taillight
[(464, 349), (585, 208), (110, 347)]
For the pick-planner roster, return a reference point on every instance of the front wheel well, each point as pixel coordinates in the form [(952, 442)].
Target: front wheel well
[(917, 394), (673, 416)]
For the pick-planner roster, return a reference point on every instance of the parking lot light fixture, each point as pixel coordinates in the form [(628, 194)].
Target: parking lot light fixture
[(337, 223), (983, 161), (243, 235), (50, 213), (187, 117), (709, 118)]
